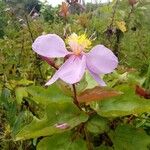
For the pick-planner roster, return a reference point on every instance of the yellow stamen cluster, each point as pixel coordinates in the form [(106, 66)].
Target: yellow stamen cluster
[(82, 40)]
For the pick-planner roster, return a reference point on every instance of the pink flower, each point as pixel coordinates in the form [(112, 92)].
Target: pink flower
[(100, 60)]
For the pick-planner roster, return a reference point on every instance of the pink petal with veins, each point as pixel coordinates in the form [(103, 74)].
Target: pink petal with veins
[(71, 71)]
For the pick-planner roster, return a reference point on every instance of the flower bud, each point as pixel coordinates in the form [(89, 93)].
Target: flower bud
[(62, 126)]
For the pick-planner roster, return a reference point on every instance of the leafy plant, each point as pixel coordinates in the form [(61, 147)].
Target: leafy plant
[(83, 115)]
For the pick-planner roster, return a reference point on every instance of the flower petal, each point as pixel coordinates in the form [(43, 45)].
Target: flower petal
[(71, 71), (97, 78), (50, 45), (101, 60)]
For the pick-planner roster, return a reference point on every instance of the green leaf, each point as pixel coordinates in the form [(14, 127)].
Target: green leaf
[(14, 83), (82, 85), (126, 137), (55, 114), (97, 125), (65, 88), (24, 82), (20, 93), (23, 118), (125, 104), (47, 95), (9, 106), (68, 89), (103, 147), (5, 95), (91, 83), (62, 141)]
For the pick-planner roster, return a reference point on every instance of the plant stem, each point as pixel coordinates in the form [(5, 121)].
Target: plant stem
[(75, 96), (50, 62), (89, 145), (113, 14), (29, 29), (116, 46), (32, 38)]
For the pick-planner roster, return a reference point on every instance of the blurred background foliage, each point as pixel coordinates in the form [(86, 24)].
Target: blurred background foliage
[(119, 25)]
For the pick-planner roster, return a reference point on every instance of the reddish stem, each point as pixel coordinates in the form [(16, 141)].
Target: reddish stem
[(75, 97), (50, 62)]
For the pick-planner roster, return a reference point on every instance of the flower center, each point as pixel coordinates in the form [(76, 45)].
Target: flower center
[(78, 44), (77, 52)]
